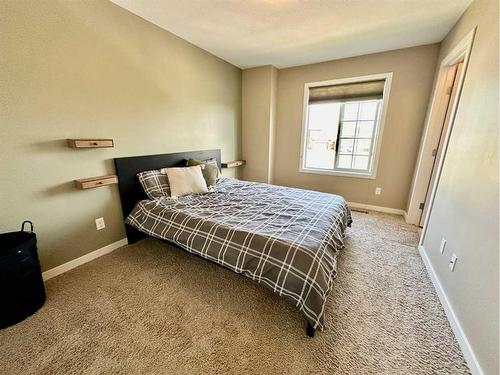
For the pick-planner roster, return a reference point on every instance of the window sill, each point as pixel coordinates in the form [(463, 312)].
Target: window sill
[(370, 176)]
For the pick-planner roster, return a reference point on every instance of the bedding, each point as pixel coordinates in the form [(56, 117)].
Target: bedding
[(209, 170), (184, 181), (284, 238), (213, 161), (154, 183)]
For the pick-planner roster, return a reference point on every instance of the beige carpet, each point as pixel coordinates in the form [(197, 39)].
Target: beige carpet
[(150, 308)]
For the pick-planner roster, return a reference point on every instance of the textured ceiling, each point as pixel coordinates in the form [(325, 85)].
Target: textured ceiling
[(285, 33)]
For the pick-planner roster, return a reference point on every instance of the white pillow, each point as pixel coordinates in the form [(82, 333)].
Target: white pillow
[(184, 181)]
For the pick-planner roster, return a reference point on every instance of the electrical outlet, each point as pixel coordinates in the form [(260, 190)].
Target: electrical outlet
[(99, 223), (453, 262), (443, 245), (378, 191)]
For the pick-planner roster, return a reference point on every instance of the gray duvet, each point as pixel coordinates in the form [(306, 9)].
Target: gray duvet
[(284, 238)]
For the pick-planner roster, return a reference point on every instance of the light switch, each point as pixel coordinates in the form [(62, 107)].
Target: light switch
[(443, 245), (453, 262)]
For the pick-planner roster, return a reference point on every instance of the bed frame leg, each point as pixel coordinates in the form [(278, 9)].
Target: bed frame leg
[(310, 330), (133, 235)]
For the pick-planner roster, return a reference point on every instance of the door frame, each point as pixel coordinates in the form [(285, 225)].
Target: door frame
[(454, 71), (432, 132)]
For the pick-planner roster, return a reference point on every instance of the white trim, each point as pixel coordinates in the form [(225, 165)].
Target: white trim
[(424, 166), (387, 210), (53, 272), (462, 50), (464, 343), (341, 81), (336, 173), (379, 129)]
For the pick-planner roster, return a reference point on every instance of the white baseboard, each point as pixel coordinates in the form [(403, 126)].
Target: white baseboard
[(387, 210), (467, 350), (53, 272)]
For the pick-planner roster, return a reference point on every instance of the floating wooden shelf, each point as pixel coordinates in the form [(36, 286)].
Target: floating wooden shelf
[(90, 143), (233, 164), (93, 182)]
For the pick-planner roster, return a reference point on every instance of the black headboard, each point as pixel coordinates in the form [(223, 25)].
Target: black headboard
[(130, 189)]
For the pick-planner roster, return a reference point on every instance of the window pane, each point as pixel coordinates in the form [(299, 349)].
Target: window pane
[(363, 146), (322, 126), (346, 146), (344, 161), (360, 162), (350, 111), (318, 155), (348, 129), (368, 110), (365, 129), (324, 116)]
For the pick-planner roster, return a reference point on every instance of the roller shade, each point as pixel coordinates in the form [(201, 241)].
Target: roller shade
[(365, 90)]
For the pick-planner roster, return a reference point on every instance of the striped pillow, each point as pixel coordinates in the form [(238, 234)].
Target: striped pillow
[(154, 183)]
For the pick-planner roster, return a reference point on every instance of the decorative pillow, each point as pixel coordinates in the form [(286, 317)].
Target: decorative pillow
[(154, 183), (213, 161), (210, 172), (184, 181)]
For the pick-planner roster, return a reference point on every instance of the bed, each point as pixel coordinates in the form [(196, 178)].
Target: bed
[(284, 238)]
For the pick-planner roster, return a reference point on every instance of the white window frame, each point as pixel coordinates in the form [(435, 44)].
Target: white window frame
[(378, 131)]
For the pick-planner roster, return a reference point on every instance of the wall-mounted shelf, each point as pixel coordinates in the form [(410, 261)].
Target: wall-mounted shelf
[(90, 143), (233, 164), (93, 182)]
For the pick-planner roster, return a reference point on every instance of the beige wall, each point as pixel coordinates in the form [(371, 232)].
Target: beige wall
[(413, 70), (259, 89), (273, 122), (91, 69), (465, 210)]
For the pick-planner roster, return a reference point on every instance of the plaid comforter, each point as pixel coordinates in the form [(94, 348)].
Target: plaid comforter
[(284, 238)]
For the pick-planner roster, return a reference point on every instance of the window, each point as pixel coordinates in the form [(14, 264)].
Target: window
[(342, 124)]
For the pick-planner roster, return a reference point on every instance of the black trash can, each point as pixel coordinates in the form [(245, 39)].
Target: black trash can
[(21, 284)]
